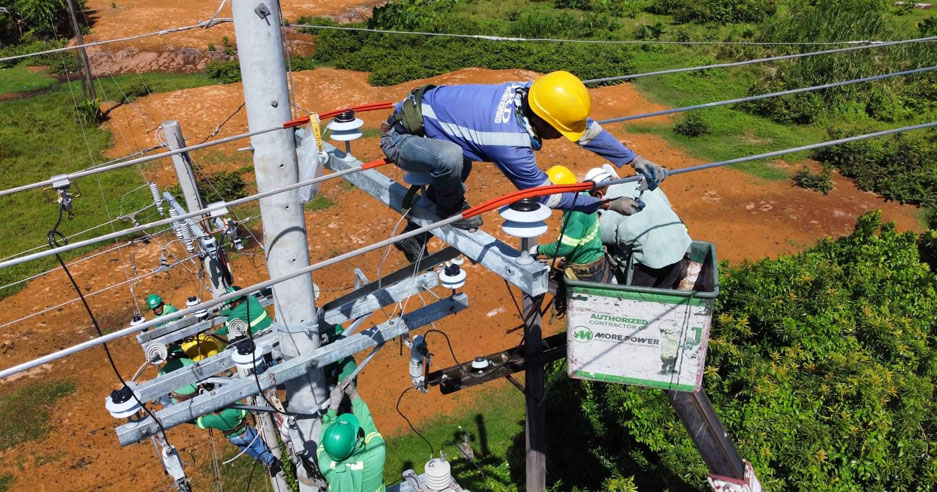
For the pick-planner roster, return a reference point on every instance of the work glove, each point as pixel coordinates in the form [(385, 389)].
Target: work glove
[(625, 206), (351, 390), (335, 397), (533, 251), (653, 173)]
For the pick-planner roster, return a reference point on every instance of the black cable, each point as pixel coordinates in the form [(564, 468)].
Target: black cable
[(432, 451), (251, 476), (54, 243)]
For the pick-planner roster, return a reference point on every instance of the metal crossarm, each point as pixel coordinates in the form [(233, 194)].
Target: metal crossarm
[(230, 394), (497, 256)]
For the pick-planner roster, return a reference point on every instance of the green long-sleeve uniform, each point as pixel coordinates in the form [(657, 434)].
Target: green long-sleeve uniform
[(259, 318), (227, 421), (580, 243), (167, 309), (363, 471)]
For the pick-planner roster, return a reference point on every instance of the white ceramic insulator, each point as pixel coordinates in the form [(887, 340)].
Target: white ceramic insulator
[(123, 410), (458, 260), (177, 226), (417, 349), (519, 223), (245, 362), (155, 353), (437, 474), (452, 281), (346, 136), (157, 198)]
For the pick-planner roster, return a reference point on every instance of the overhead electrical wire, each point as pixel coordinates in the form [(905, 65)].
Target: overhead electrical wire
[(119, 165), (769, 95), (476, 210), (488, 37), (760, 60), (162, 32)]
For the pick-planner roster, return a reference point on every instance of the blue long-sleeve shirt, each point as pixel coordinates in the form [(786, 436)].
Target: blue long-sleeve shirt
[(485, 121)]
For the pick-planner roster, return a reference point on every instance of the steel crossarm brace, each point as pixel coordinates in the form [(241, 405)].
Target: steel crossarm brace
[(197, 372), (369, 303), (186, 327), (230, 394), (503, 364), (480, 247)]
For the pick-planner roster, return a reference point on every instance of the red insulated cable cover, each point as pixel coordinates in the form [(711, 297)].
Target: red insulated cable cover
[(529, 192), (373, 164), (362, 108)]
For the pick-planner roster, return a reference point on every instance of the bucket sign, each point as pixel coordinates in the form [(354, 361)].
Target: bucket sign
[(640, 336)]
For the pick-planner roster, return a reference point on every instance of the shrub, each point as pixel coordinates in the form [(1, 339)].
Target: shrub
[(35, 20), (821, 181), (691, 126), (89, 112), (902, 168), (820, 365), (224, 71), (803, 108), (722, 11), (220, 186)]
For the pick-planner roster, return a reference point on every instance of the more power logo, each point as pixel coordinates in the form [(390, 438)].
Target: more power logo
[(582, 334)]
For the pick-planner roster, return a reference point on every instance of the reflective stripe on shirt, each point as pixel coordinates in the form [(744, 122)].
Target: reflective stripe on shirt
[(259, 319)]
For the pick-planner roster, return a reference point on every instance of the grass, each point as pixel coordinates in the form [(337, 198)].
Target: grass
[(24, 415), (6, 481), (66, 146), (20, 79), (320, 202)]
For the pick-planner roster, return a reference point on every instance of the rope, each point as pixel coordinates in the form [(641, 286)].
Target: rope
[(487, 37), (476, 210), (761, 60), (765, 96), (204, 24)]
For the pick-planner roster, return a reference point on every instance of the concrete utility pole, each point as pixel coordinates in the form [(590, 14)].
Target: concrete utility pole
[(86, 74), (183, 164), (263, 71), (535, 424)]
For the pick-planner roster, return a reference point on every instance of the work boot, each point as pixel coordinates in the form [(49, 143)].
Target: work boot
[(275, 467), (466, 224), (413, 247)]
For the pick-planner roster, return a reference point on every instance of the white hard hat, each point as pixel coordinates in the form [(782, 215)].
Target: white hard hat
[(597, 175)]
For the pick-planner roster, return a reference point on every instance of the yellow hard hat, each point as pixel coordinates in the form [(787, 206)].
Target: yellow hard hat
[(561, 175), (561, 99)]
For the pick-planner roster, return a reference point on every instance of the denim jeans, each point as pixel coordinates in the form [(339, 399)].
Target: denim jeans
[(258, 450), (441, 159)]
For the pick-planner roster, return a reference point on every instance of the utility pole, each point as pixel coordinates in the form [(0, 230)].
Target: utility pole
[(266, 97), (86, 73), (183, 164), (535, 424)]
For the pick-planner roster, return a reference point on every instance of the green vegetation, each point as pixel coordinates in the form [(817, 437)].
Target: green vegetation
[(6, 481), (692, 125), (822, 181), (24, 414), (26, 20), (715, 10), (68, 145), (320, 202), (21, 79), (219, 186)]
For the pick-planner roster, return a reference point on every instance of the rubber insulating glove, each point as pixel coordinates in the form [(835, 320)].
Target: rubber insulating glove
[(625, 206), (653, 173)]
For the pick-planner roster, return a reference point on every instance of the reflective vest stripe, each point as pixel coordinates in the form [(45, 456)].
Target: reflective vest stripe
[(259, 319)]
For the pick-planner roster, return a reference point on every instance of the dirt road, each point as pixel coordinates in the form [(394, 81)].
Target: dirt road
[(746, 217)]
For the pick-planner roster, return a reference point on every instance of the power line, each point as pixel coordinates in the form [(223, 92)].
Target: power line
[(204, 24), (491, 205), (103, 289), (488, 37), (194, 213), (765, 96), (761, 60)]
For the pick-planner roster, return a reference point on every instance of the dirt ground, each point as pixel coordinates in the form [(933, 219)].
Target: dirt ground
[(746, 217), (187, 51)]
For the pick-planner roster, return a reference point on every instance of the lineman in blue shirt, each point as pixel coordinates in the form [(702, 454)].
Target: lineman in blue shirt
[(442, 130)]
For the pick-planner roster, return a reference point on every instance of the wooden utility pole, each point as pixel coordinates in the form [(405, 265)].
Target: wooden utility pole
[(86, 73)]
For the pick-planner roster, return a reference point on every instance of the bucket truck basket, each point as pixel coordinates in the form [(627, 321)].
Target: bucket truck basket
[(643, 336)]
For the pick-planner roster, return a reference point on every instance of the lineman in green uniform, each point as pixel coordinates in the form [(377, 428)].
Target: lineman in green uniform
[(233, 423), (580, 244), (239, 308), (177, 360), (351, 452), (160, 308)]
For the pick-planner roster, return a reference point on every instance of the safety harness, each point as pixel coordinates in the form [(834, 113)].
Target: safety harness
[(410, 114)]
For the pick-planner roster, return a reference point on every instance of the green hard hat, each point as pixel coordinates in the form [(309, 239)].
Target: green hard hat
[(153, 301), (341, 437)]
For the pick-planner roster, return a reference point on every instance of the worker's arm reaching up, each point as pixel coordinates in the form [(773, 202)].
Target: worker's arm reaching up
[(598, 140)]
